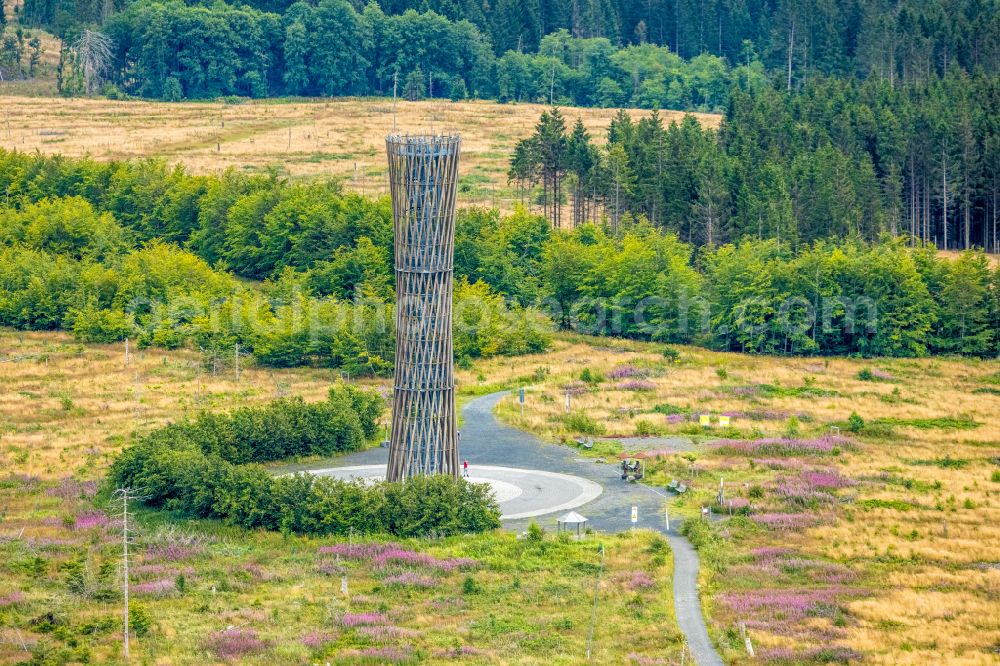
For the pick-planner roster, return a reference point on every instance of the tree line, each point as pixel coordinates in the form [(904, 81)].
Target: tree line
[(842, 158), (900, 40), (175, 51), (212, 467), (328, 283), (646, 53)]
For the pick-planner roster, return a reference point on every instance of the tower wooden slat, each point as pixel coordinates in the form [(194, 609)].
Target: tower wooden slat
[(423, 182)]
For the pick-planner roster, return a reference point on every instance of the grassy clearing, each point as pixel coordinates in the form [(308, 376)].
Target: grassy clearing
[(342, 138), (888, 535), (881, 544)]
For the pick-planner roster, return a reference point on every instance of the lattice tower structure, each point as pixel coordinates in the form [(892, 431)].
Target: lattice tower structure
[(423, 180)]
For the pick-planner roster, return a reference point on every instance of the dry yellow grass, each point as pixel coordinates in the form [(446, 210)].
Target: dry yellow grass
[(67, 407), (935, 568), (343, 138), (994, 259)]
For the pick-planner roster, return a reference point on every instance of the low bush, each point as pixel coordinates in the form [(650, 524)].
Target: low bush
[(583, 424), (935, 423), (898, 505), (669, 410)]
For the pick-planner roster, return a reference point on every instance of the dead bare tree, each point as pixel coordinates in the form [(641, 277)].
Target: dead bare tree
[(93, 52), (126, 495)]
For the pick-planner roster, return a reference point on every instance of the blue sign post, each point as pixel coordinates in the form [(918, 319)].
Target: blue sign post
[(522, 401)]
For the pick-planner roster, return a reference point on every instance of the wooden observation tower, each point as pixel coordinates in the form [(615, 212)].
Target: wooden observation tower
[(423, 178)]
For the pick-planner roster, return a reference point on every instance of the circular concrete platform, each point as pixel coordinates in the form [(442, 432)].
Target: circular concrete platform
[(521, 493)]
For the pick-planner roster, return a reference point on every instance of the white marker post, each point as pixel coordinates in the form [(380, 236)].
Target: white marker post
[(635, 516), (522, 402), (666, 517)]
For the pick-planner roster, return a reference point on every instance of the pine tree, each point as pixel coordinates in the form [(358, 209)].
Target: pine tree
[(581, 160), (550, 148)]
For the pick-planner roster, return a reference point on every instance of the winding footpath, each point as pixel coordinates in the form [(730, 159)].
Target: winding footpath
[(485, 442)]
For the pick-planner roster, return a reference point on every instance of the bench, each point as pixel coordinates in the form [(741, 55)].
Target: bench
[(681, 489), (589, 444), (672, 485)]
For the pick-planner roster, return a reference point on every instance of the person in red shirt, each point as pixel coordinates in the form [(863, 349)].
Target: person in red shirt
[(465, 468)]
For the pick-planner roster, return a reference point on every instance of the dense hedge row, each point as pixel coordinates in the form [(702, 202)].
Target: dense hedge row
[(209, 468), (284, 428)]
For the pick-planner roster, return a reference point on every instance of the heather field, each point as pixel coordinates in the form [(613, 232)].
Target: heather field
[(862, 497), (207, 593), (859, 521)]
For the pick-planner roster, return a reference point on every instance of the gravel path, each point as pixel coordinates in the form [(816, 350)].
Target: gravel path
[(485, 441), (687, 605)]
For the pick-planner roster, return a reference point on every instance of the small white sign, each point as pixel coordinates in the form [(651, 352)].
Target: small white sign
[(723, 421), (635, 515)]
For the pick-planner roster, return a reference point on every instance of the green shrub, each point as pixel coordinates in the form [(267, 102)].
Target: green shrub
[(898, 505), (93, 324), (671, 354), (581, 423), (855, 423), (995, 476), (469, 585), (944, 463), (644, 428), (140, 620), (284, 428), (668, 409), (535, 532), (699, 532), (935, 423)]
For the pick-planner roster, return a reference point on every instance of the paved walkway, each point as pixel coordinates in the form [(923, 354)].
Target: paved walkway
[(687, 604), (486, 444)]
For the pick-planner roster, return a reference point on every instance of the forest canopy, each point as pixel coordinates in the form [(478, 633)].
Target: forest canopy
[(110, 250), (649, 54)]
